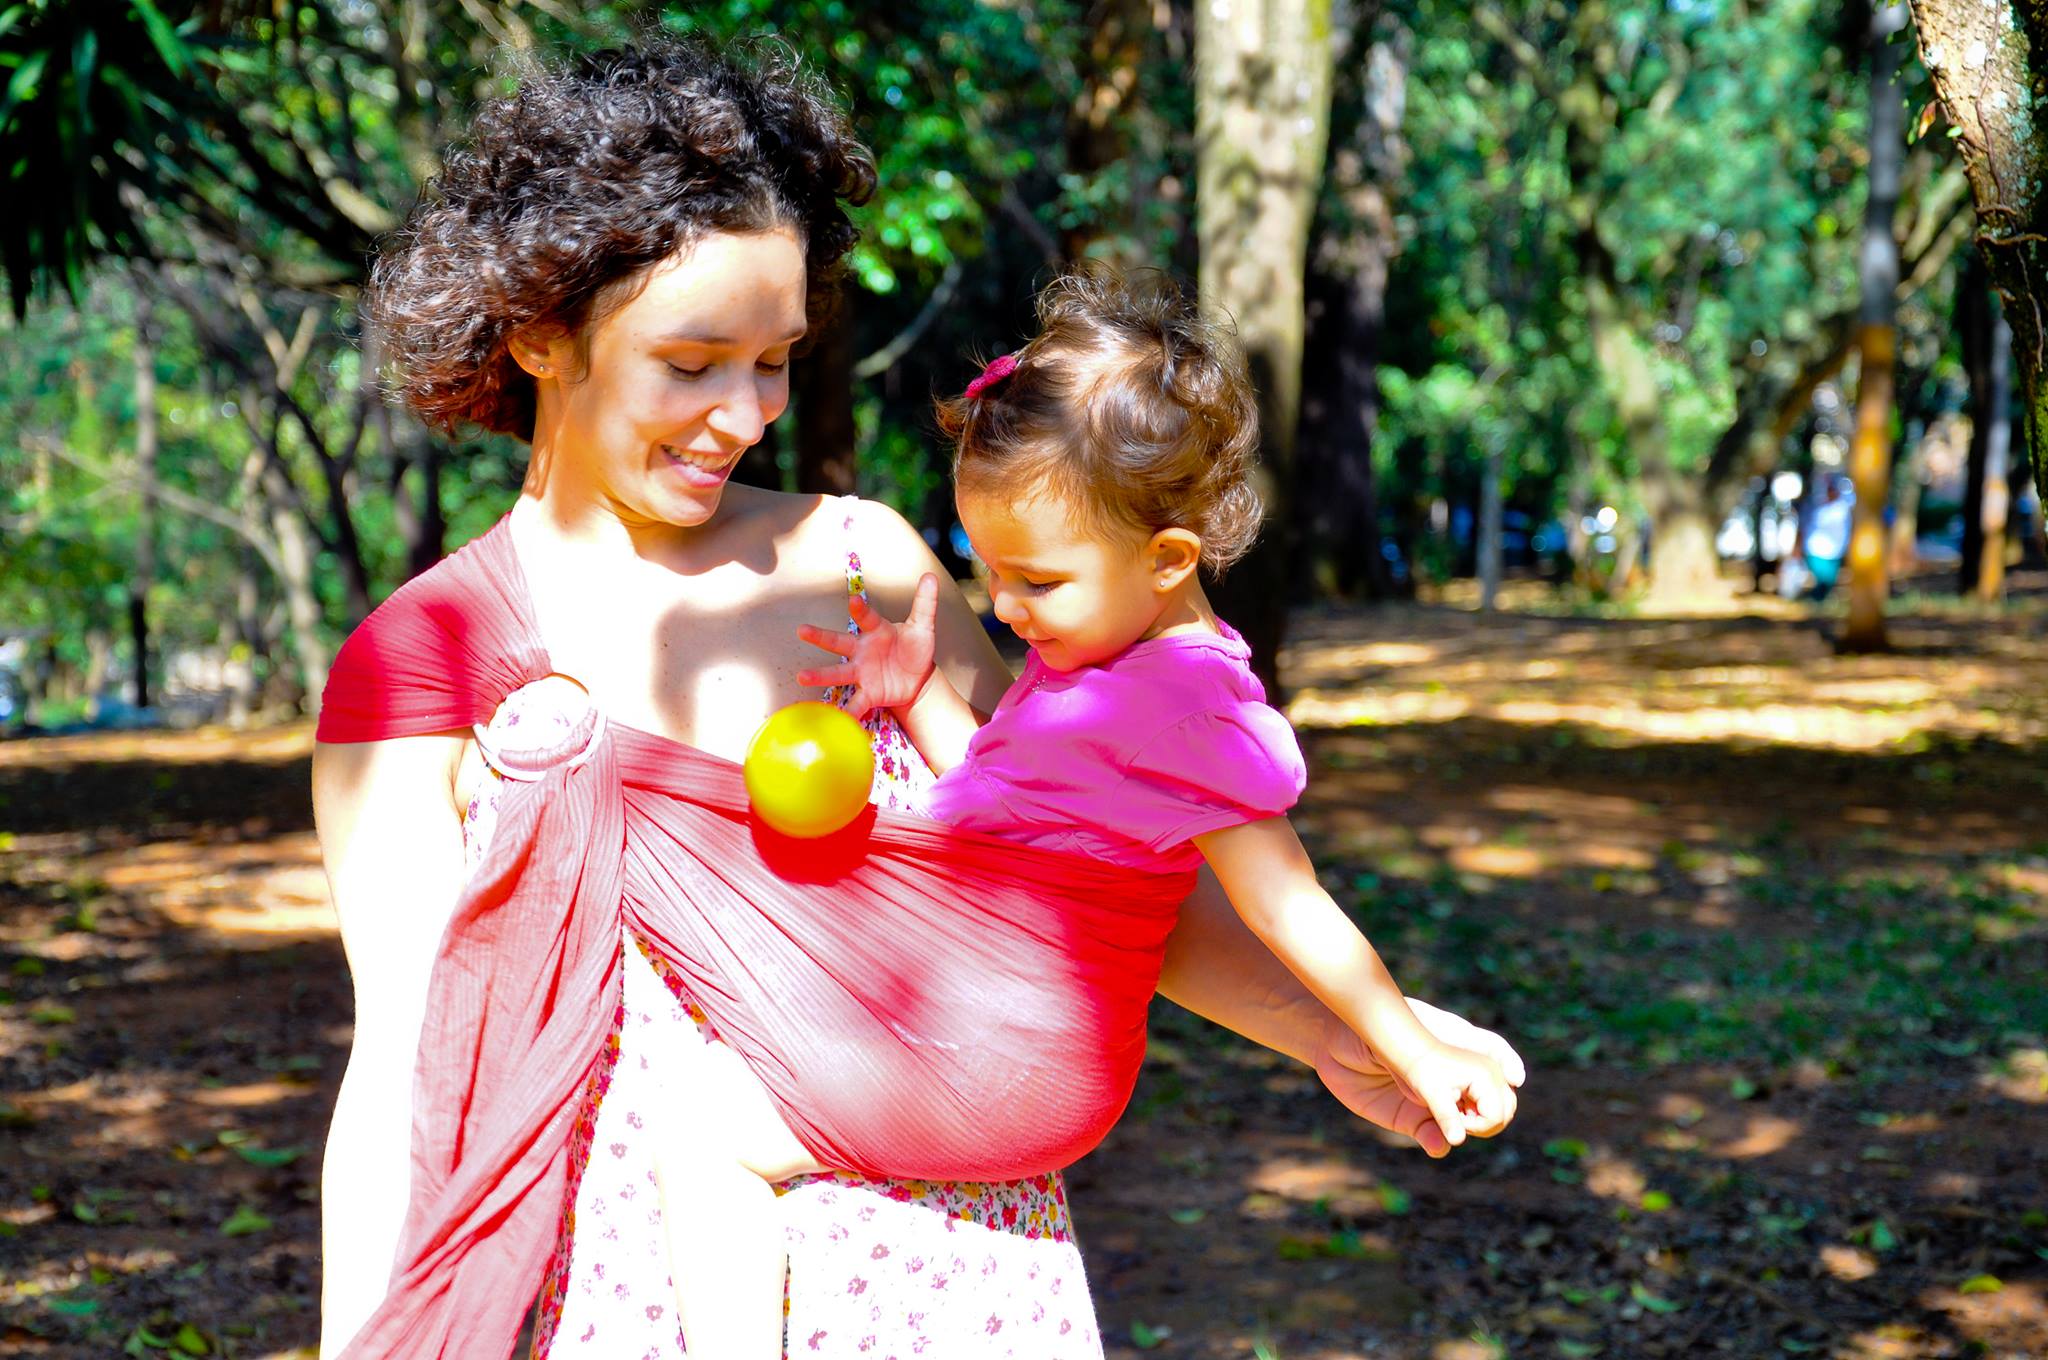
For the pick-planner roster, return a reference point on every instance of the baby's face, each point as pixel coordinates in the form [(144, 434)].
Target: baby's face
[(1076, 595)]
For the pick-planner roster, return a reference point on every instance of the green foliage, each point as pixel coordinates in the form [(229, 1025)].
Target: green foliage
[(1716, 170)]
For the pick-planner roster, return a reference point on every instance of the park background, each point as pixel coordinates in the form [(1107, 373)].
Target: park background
[(1559, 313)]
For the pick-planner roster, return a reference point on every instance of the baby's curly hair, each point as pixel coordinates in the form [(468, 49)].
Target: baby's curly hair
[(590, 173), (1129, 407)]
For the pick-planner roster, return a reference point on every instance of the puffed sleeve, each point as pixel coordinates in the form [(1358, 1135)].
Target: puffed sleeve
[(1213, 769)]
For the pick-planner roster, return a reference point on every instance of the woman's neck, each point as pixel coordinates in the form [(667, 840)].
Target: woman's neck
[(555, 516)]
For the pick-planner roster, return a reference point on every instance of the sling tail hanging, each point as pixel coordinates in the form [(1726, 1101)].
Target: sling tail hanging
[(919, 1001)]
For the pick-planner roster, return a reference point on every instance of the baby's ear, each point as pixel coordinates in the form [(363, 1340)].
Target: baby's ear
[(1172, 556)]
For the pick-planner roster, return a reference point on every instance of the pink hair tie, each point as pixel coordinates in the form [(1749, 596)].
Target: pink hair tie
[(997, 370)]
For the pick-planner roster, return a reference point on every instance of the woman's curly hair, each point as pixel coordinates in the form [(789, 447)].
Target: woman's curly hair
[(590, 173), (1129, 407)]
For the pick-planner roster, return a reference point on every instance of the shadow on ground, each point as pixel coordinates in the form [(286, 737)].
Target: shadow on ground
[(1770, 925)]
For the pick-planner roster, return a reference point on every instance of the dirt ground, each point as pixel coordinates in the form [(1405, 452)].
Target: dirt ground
[(1770, 926)]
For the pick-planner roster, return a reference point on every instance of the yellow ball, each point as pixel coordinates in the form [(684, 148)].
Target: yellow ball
[(809, 770)]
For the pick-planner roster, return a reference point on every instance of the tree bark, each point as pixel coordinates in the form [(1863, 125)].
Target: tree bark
[(1987, 359), (1870, 450), (1490, 554), (1099, 119), (1262, 116), (297, 559), (823, 387), (144, 573), (1348, 284), (1986, 60)]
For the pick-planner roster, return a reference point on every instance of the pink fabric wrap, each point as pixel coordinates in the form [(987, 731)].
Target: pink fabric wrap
[(919, 1001)]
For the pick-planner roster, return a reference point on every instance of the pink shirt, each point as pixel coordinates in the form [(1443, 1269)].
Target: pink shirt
[(1131, 759)]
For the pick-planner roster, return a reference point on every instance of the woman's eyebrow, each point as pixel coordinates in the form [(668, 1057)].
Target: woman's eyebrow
[(686, 336)]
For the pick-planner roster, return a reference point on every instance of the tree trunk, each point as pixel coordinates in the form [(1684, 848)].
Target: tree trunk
[(823, 387), (1683, 565), (99, 659), (1987, 57), (297, 559), (1490, 524), (1099, 120), (1870, 452), (1262, 116), (1987, 358), (144, 573), (1349, 279)]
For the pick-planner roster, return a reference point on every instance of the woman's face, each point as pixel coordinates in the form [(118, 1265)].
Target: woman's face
[(649, 415)]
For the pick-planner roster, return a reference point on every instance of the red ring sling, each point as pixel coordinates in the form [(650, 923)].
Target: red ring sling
[(918, 1000)]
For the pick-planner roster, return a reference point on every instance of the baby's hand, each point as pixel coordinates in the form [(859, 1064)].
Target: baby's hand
[(886, 663), (1466, 1092)]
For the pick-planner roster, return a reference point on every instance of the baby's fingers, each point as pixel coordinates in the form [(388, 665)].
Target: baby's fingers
[(1490, 1107), (848, 674), (1443, 1101), (865, 616), (924, 606), (837, 643)]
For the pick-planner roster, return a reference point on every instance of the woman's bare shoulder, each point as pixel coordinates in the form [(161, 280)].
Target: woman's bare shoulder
[(893, 553)]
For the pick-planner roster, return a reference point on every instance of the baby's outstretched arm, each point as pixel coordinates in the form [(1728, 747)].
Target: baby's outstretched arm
[(1269, 879), (890, 665)]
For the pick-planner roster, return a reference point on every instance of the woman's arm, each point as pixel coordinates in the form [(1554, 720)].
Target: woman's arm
[(392, 843)]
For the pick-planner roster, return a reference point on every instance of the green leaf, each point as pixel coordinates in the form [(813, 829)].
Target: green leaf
[(1653, 1302), (270, 1157), (191, 1340), (1188, 1216), (74, 1307), (1881, 1237), (1565, 1149), (1981, 1284), (1146, 1337), (1576, 1350), (1656, 1201), (243, 1222), (53, 1015), (1394, 1199), (163, 36), (23, 85), (1742, 1088)]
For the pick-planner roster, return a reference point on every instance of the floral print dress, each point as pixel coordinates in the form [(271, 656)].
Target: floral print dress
[(887, 1269)]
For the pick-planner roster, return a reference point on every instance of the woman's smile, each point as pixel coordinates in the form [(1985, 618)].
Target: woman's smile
[(699, 469)]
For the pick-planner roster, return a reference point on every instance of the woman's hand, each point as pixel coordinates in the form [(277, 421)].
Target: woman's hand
[(1364, 1085), (886, 663)]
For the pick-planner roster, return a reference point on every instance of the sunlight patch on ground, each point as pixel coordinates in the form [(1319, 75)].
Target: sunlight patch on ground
[(292, 742), (1847, 1263), (1762, 1135), (249, 1094), (1781, 724), (1616, 1178), (1314, 708), (2022, 1075), (2017, 1310), (1498, 861), (1346, 1189)]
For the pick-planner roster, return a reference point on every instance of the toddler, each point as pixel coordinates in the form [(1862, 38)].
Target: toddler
[(1095, 471)]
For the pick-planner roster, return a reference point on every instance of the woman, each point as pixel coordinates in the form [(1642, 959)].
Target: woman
[(617, 268)]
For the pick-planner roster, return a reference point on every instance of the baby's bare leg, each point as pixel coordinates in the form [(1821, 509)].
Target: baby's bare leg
[(718, 1146)]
